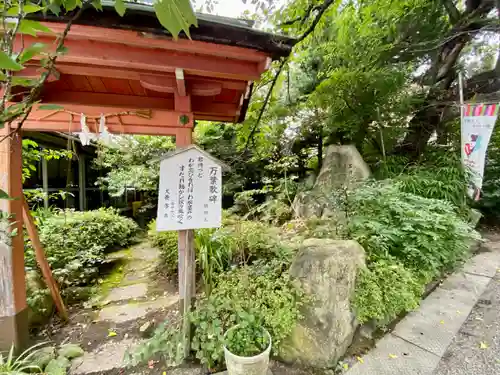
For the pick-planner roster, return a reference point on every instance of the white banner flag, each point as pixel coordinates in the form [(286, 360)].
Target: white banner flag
[(478, 121)]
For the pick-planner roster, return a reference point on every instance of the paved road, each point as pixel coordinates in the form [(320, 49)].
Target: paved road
[(476, 347)]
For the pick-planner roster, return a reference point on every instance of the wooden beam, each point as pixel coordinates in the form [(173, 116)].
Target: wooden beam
[(141, 39), (46, 126), (171, 85), (42, 261), (161, 61), (214, 109), (13, 306), (157, 118), (136, 75), (104, 100)]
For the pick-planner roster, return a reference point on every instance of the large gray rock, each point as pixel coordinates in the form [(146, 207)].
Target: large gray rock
[(327, 271), (343, 168)]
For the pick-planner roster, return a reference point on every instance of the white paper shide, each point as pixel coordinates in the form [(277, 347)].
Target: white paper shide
[(190, 191)]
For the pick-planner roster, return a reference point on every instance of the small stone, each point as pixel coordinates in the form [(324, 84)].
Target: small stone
[(145, 327), (70, 351)]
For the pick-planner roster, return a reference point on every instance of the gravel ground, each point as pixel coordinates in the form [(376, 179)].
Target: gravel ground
[(476, 348)]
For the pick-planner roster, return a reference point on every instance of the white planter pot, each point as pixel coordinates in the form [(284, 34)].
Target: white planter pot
[(256, 365)]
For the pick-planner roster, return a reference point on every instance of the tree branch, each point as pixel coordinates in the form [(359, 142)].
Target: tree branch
[(264, 105), (311, 8), (452, 11), (321, 10)]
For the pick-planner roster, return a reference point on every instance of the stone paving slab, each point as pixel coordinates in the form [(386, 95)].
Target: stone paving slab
[(440, 316), (483, 264), (420, 340), (133, 311), (395, 356), (106, 357), (127, 292)]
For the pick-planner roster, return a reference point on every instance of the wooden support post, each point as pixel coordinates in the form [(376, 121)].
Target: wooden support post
[(185, 243), (42, 262), (45, 183), (13, 307), (81, 183)]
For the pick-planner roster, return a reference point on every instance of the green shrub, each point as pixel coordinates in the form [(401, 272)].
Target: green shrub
[(424, 234), (76, 243), (439, 176), (409, 240), (166, 242), (386, 289), (236, 242), (263, 290)]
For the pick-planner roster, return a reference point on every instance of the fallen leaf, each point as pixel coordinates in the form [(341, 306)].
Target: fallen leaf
[(393, 356), (360, 360), (111, 333), (442, 322), (164, 373), (483, 345), (459, 312), (345, 366)]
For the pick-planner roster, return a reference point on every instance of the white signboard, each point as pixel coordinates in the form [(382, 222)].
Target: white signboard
[(477, 126), (190, 191)]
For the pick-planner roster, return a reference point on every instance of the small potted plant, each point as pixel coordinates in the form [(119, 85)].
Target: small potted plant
[(247, 347)]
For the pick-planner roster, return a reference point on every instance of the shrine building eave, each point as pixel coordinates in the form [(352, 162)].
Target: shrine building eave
[(130, 69)]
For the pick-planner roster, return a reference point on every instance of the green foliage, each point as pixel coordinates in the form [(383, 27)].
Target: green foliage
[(19, 365), (409, 240), (439, 176), (247, 339), (132, 162), (214, 255), (167, 243), (424, 234), (76, 243), (386, 289), (274, 303), (33, 153)]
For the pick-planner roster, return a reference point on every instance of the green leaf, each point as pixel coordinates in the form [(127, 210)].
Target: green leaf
[(120, 7), (97, 5), (31, 8), (27, 9), (14, 232), (31, 51), (175, 16), (7, 63), (54, 8), (31, 27), (4, 195), (50, 107), (24, 81)]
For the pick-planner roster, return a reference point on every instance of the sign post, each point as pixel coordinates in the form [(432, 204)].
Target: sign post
[(189, 198)]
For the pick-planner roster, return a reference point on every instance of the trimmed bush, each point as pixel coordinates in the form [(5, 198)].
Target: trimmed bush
[(76, 243)]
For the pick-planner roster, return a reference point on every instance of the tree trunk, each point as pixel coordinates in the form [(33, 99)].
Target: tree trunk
[(442, 73)]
